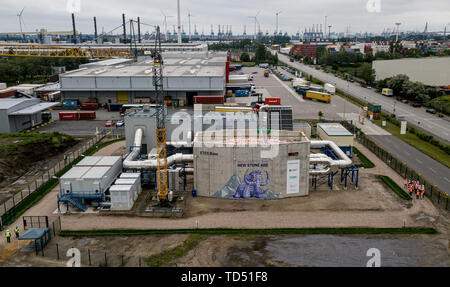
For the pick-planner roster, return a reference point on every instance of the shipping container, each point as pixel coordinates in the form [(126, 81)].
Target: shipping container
[(242, 93), (273, 101), (114, 107), (208, 100), (92, 100), (89, 106), (318, 96), (87, 115), (374, 108), (70, 104), (69, 116), (7, 93), (233, 109)]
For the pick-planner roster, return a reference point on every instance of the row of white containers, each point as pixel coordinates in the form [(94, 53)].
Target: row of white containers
[(125, 191)]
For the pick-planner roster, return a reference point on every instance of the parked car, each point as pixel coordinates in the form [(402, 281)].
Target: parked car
[(416, 105), (431, 111), (110, 124), (405, 101), (120, 123)]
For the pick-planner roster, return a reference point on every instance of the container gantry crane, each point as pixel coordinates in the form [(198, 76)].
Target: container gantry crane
[(161, 149)]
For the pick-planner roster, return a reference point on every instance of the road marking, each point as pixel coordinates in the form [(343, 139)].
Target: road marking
[(295, 95), (446, 179), (432, 170), (419, 161)]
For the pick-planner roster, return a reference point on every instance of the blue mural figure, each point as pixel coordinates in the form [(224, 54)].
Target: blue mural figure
[(251, 185)]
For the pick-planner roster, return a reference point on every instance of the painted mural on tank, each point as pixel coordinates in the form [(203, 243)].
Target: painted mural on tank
[(248, 186)]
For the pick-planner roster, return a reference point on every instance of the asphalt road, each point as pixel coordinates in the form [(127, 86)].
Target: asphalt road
[(418, 117)]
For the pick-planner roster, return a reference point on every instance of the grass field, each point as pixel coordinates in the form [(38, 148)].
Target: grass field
[(394, 187), (269, 231), (366, 163)]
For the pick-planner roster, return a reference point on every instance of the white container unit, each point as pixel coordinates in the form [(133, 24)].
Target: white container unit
[(91, 176), (121, 197), (330, 88), (133, 182)]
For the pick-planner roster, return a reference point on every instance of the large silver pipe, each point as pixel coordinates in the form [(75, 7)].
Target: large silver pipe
[(130, 161), (343, 160)]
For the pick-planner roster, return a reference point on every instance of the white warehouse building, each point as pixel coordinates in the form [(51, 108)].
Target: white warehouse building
[(186, 75)]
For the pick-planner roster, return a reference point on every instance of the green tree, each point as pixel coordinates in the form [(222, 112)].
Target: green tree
[(245, 57), (396, 84), (367, 73)]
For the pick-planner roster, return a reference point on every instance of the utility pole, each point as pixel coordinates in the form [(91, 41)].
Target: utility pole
[(179, 22), (398, 25), (95, 30), (139, 29), (74, 30), (325, 27), (124, 29)]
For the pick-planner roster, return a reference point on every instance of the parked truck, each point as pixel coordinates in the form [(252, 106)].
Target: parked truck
[(266, 73), (318, 96), (387, 92), (329, 88)]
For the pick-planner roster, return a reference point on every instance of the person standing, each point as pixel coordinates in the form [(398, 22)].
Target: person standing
[(8, 236), (16, 230)]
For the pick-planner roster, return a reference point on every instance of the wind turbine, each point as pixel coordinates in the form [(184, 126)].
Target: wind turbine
[(21, 20), (256, 20), (276, 30), (165, 23)]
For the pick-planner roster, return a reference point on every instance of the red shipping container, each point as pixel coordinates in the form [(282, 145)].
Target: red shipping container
[(87, 115), (7, 93), (69, 116), (208, 100), (273, 101), (89, 106)]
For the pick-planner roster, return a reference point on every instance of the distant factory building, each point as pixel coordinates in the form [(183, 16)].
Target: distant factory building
[(19, 114), (431, 71), (186, 74), (304, 50)]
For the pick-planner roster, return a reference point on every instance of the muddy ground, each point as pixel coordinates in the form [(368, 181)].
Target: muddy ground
[(246, 250)]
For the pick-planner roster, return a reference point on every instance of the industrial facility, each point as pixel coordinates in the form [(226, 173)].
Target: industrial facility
[(431, 71), (186, 75), (19, 114)]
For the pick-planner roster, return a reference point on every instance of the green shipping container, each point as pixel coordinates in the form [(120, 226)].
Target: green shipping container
[(374, 108)]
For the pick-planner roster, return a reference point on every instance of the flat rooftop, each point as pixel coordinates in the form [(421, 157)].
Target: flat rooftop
[(334, 129)]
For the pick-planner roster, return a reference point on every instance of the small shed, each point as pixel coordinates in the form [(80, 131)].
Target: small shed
[(41, 237), (338, 134)]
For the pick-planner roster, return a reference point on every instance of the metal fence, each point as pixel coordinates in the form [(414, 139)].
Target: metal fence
[(437, 196), (90, 257), (8, 209)]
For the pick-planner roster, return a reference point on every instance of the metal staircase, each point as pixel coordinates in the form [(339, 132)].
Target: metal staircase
[(68, 199)]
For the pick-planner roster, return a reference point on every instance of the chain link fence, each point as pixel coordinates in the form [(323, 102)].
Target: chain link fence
[(9, 208), (437, 196)]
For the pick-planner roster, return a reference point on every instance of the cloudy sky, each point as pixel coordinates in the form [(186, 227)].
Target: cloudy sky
[(295, 14)]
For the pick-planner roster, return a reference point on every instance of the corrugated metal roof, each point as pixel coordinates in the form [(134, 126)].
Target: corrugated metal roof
[(334, 129), (34, 109)]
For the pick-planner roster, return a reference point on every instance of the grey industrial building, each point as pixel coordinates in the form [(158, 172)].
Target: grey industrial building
[(19, 114), (186, 74), (431, 71)]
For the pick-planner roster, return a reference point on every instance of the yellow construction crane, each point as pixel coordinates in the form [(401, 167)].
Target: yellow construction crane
[(33, 50), (161, 149)]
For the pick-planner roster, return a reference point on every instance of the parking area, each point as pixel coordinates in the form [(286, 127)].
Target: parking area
[(302, 109), (82, 127)]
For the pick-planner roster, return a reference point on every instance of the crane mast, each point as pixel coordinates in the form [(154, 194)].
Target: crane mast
[(160, 122)]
